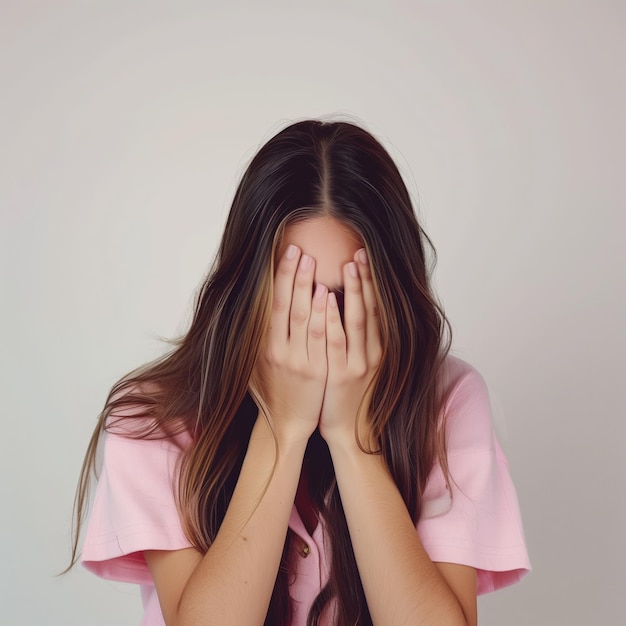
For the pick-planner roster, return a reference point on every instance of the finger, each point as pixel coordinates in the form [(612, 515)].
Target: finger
[(281, 298), (317, 325), (335, 336), (354, 314), (301, 303), (372, 327)]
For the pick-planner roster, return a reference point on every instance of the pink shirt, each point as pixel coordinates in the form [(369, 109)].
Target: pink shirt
[(478, 524)]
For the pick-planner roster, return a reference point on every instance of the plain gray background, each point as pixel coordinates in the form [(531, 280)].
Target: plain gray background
[(124, 128)]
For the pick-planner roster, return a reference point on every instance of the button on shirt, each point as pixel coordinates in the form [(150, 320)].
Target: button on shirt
[(312, 567)]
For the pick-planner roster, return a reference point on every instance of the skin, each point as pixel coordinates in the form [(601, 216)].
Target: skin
[(314, 371)]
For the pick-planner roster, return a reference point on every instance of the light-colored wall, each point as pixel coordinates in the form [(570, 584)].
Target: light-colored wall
[(124, 128)]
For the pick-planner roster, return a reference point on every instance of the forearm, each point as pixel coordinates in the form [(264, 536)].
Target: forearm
[(402, 585), (233, 582)]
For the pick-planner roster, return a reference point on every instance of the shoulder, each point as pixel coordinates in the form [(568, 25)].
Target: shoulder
[(465, 409), (133, 417), (457, 374)]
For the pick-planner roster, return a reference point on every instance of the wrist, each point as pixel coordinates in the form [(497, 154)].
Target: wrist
[(347, 442), (287, 441), (354, 463)]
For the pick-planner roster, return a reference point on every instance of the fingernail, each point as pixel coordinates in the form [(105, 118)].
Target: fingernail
[(332, 300), (291, 251), (352, 270), (320, 291), (305, 261), (362, 256)]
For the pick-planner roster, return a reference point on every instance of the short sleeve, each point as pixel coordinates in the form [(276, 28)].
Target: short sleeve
[(134, 508), (476, 521)]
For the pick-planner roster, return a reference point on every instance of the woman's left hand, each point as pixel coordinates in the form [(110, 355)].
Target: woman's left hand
[(353, 355)]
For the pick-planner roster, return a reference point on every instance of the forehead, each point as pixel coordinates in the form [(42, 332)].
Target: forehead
[(331, 243)]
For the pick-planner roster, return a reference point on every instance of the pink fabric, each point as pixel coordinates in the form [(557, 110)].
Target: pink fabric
[(477, 524)]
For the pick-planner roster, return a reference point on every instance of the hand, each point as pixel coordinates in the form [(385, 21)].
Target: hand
[(353, 355), (289, 375)]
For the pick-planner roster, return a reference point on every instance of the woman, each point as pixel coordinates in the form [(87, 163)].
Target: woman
[(275, 465)]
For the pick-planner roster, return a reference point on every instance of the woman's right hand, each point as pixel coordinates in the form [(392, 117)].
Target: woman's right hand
[(289, 376), (232, 582)]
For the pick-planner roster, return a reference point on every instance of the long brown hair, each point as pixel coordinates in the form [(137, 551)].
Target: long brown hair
[(201, 386)]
